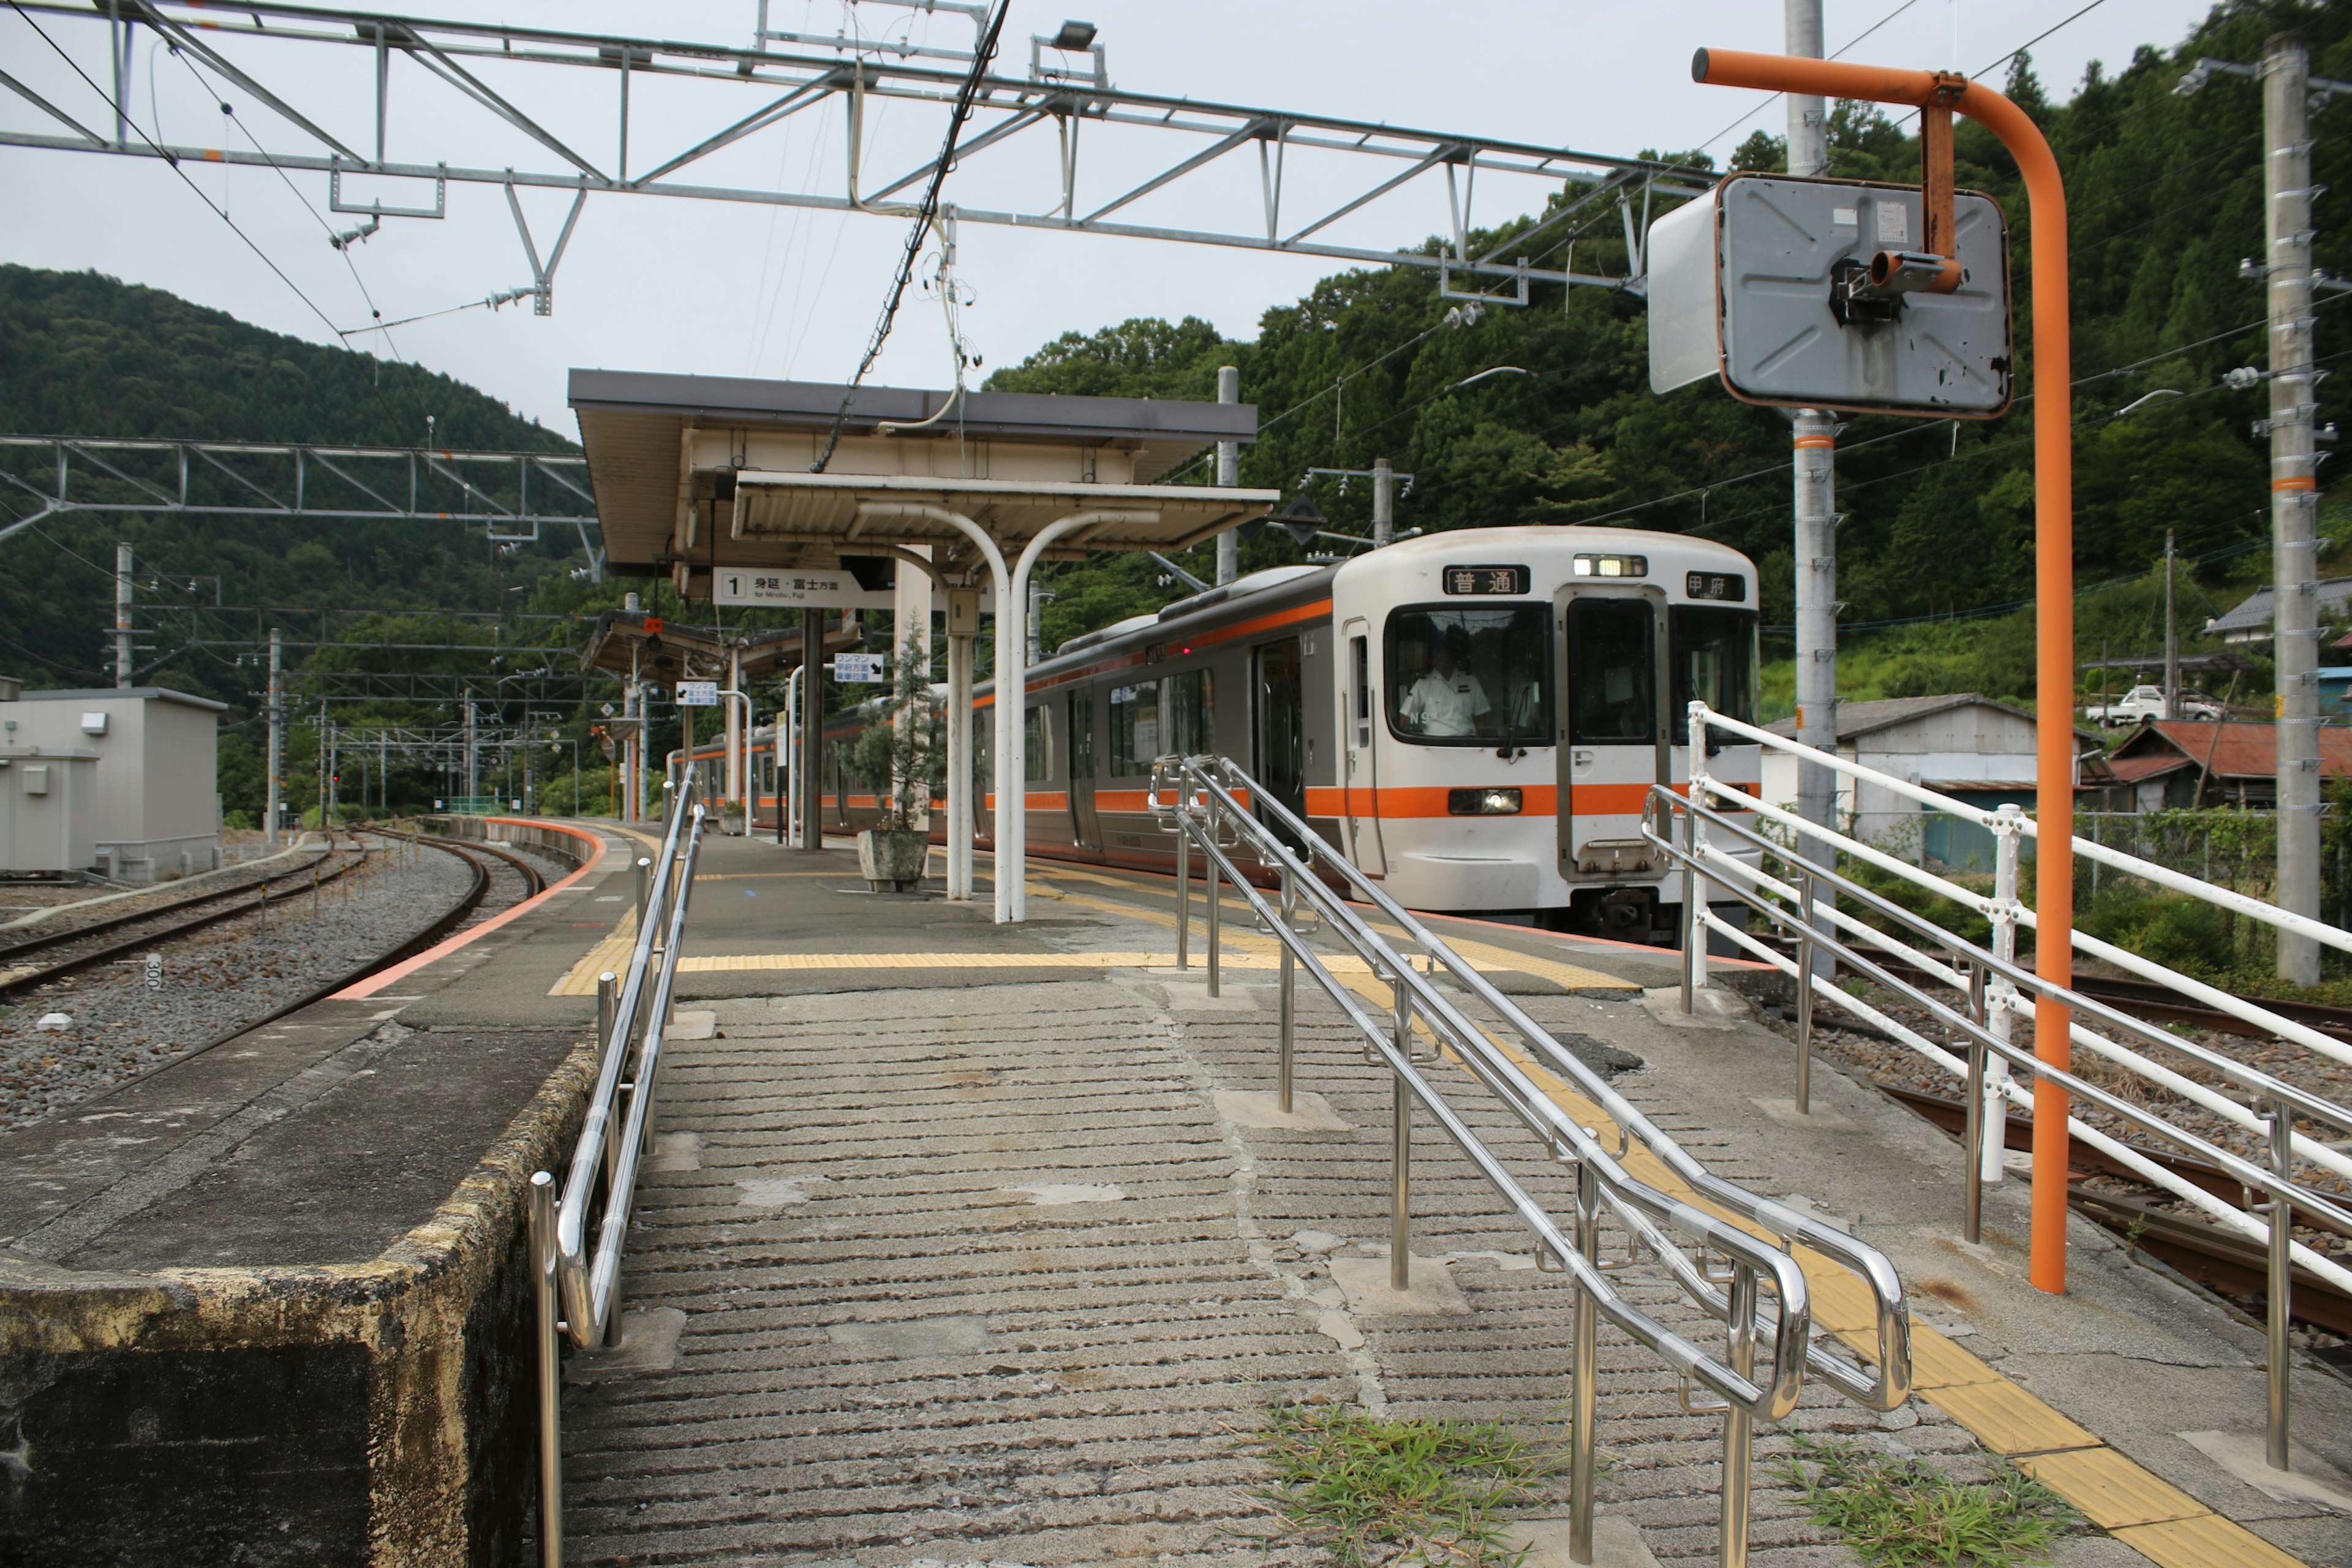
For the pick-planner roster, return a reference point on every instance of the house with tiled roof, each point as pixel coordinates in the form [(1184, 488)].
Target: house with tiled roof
[(2175, 764)]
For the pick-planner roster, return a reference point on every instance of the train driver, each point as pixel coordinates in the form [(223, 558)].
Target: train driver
[(1448, 699)]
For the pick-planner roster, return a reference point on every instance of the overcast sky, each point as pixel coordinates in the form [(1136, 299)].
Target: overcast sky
[(656, 284)]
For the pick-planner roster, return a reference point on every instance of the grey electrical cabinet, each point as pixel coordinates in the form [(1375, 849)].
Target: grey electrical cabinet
[(47, 799), (1765, 282)]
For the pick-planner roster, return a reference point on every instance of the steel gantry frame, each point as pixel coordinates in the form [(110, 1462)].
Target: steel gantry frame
[(301, 479), (1051, 101)]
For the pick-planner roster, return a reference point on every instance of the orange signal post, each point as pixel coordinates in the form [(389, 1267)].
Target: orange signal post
[(1936, 94)]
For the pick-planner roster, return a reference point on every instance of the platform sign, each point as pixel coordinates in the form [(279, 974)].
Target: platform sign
[(1766, 281), (697, 694), (832, 588), (857, 669)]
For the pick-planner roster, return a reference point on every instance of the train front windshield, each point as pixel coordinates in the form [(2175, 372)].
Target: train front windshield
[(1714, 663), (1461, 677)]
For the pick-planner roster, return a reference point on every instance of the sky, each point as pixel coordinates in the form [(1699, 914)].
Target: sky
[(660, 284)]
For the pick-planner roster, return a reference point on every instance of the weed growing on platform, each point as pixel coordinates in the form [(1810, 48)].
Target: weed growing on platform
[(1896, 1513), (1357, 1481)]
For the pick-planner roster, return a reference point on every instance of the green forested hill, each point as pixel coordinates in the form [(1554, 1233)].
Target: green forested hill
[(2165, 197), (83, 355)]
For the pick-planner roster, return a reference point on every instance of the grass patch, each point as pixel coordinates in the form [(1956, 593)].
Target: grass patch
[(1438, 1488), (1897, 1512)]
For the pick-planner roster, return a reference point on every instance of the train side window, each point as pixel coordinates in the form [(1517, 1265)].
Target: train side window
[(1192, 713), (1134, 729), (1611, 694), (1714, 663), (1362, 650), (1034, 763), (1470, 677)]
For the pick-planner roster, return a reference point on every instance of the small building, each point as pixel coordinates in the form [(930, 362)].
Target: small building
[(2335, 689), (44, 808), (2250, 621), (155, 811), (1964, 744), (2173, 765)]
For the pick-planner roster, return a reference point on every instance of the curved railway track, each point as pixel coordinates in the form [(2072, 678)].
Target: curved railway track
[(16, 975)]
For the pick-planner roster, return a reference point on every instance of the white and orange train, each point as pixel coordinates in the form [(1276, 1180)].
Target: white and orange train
[(1474, 716)]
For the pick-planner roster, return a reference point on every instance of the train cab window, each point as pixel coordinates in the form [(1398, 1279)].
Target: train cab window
[(1613, 694), (1460, 677), (1036, 765), (1134, 729), (1714, 663), (1192, 713)]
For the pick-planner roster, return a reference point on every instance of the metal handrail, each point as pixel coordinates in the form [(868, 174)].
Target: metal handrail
[(576, 1292), (1195, 798), (1806, 907)]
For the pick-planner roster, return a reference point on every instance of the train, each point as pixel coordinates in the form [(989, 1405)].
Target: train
[(1474, 716)]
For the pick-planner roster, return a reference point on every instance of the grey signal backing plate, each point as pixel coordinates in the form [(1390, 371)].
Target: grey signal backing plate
[(1780, 240)]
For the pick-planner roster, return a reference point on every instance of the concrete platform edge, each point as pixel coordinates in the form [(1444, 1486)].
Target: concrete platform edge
[(438, 1323)]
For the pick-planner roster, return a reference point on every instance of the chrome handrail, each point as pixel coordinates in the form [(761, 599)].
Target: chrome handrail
[(1806, 907), (1196, 798), (576, 1292)]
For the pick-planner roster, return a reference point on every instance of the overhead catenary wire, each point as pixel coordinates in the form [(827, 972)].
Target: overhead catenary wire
[(925, 215)]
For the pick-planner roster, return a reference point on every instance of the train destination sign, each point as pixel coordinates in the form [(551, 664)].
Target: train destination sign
[(832, 588), (697, 694), (1729, 587), (1486, 579), (857, 669)]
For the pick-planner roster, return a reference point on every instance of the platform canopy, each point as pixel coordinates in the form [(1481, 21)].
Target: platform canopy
[(694, 473), (699, 475)]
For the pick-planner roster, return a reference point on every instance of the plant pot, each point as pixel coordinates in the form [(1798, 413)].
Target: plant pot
[(730, 820), (891, 858)]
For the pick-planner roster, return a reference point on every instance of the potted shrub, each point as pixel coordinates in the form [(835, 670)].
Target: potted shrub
[(902, 756)]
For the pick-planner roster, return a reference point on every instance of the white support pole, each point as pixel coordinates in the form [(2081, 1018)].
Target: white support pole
[(1814, 466), (276, 805), (1229, 461), (2285, 73), (738, 733), (123, 661), (963, 631)]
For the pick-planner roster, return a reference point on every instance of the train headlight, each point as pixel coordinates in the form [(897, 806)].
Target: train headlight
[(1482, 802)]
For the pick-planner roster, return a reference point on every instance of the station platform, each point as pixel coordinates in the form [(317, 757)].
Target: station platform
[(969, 1243)]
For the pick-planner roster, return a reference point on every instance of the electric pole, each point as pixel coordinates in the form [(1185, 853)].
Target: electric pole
[(2285, 75), (1813, 461), (277, 738), (1384, 503), (1229, 468), (121, 614), (2172, 637)]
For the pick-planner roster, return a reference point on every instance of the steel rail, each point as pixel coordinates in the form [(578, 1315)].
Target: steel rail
[(58, 938), (1205, 812), (26, 979), (576, 1287)]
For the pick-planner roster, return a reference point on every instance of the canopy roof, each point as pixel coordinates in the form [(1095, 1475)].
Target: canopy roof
[(693, 473), (667, 651)]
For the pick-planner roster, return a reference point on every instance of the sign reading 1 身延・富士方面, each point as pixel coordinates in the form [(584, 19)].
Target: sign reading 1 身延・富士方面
[(834, 589)]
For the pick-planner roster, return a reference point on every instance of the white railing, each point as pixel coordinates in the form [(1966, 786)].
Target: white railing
[(1992, 990)]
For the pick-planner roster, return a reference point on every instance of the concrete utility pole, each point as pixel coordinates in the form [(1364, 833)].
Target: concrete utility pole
[(811, 762), (1384, 503), (2172, 637), (121, 614), (277, 738), (1814, 463), (473, 755), (1229, 468), (2285, 75)]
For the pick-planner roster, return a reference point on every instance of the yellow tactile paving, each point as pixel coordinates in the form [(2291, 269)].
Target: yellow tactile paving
[(1937, 1363), (2207, 1541), (730, 962), (612, 954), (2110, 1491), (2005, 1418)]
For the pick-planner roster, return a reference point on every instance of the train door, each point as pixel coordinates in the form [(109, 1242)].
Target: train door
[(1359, 772), (1613, 645), (1085, 831), (1280, 762)]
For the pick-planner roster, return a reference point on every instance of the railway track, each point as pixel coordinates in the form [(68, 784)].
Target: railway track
[(2223, 1259), (143, 930)]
